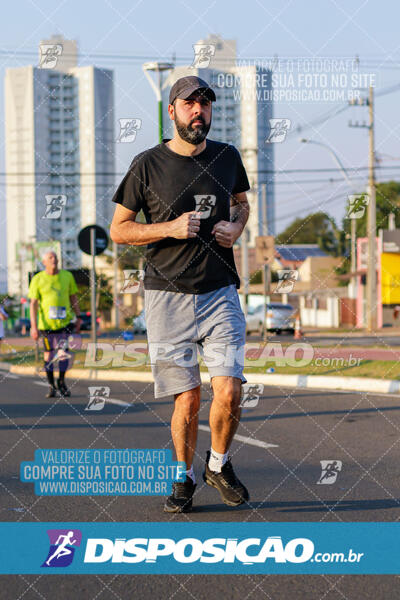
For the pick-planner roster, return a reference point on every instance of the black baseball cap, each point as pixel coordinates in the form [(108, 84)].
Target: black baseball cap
[(185, 86)]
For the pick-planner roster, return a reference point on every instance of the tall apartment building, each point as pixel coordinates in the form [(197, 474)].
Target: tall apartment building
[(240, 117), (59, 142)]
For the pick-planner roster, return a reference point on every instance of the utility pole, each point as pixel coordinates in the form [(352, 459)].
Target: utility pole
[(20, 270), (93, 307), (115, 285), (266, 267), (371, 292), (244, 262), (371, 272), (353, 242), (264, 209)]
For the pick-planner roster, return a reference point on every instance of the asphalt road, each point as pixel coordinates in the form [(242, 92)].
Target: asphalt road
[(303, 428)]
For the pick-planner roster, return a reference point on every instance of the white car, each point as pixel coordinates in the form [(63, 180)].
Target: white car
[(279, 317)]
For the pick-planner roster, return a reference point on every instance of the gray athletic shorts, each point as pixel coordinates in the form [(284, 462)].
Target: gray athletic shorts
[(178, 325)]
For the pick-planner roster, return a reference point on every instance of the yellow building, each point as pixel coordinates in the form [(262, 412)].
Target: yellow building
[(390, 265)]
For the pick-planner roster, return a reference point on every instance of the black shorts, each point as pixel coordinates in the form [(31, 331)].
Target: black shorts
[(53, 339)]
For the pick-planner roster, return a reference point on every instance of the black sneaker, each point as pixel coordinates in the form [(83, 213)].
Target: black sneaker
[(52, 393), (232, 491), (64, 391), (180, 500)]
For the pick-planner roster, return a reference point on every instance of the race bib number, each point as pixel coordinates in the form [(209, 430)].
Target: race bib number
[(57, 312)]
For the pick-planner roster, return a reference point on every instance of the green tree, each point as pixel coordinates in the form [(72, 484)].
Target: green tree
[(387, 201), (316, 228), (104, 294), (129, 257)]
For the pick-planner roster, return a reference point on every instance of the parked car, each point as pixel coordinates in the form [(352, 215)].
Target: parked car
[(279, 317), (86, 319), (139, 323)]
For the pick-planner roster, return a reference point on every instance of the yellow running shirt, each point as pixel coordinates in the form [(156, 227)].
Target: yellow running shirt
[(53, 293)]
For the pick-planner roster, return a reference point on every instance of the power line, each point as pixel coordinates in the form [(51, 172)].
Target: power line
[(359, 61), (109, 185), (319, 120), (261, 61), (123, 173), (297, 213)]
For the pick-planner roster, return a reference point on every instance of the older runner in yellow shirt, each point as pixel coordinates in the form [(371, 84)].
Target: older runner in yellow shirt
[(53, 303)]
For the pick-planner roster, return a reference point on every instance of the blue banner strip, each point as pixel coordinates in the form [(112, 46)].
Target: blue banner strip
[(215, 548)]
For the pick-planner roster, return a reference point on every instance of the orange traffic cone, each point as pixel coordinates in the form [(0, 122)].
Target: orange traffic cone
[(298, 334)]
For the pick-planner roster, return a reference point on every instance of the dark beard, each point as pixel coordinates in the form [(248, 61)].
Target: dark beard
[(192, 135)]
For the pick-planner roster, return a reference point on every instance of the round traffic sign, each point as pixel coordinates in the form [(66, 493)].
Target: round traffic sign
[(101, 239)]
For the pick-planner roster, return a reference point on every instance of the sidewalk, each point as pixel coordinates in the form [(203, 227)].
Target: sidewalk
[(363, 333)]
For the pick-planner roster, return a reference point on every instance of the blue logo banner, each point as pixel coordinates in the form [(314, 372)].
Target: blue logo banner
[(215, 548)]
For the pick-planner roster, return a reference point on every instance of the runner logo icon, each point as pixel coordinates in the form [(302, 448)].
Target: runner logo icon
[(63, 543), (278, 130), (330, 470), (132, 279), (97, 397), (251, 393), (128, 129), (205, 204), (202, 55)]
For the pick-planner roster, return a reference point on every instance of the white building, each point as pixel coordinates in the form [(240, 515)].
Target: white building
[(59, 142), (240, 117)]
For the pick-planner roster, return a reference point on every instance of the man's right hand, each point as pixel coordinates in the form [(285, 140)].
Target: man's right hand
[(186, 226), (34, 333)]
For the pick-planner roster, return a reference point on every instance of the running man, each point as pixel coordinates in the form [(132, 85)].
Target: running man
[(190, 279), (62, 549), (53, 296)]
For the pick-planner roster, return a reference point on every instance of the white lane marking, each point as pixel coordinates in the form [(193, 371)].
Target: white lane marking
[(116, 401), (10, 376), (111, 400), (245, 440)]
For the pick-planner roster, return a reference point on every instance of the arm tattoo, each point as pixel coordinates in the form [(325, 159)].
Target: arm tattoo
[(239, 212)]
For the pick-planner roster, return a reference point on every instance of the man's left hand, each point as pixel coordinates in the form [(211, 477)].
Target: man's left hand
[(226, 233)]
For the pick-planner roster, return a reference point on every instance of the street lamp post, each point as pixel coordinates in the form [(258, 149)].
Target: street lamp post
[(157, 67), (335, 157)]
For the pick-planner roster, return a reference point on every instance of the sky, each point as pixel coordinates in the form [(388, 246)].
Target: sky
[(122, 35)]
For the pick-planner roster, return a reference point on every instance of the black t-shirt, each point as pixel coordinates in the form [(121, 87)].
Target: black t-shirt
[(164, 184)]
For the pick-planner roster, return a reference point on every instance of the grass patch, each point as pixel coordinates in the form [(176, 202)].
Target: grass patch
[(377, 369)]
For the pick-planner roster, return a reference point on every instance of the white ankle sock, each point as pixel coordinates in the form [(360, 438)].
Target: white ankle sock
[(190, 473), (217, 461)]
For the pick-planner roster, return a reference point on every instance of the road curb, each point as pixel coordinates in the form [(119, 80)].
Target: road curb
[(356, 384), (104, 375)]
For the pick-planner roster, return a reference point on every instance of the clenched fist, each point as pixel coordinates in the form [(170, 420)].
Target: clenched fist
[(226, 233), (186, 226)]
